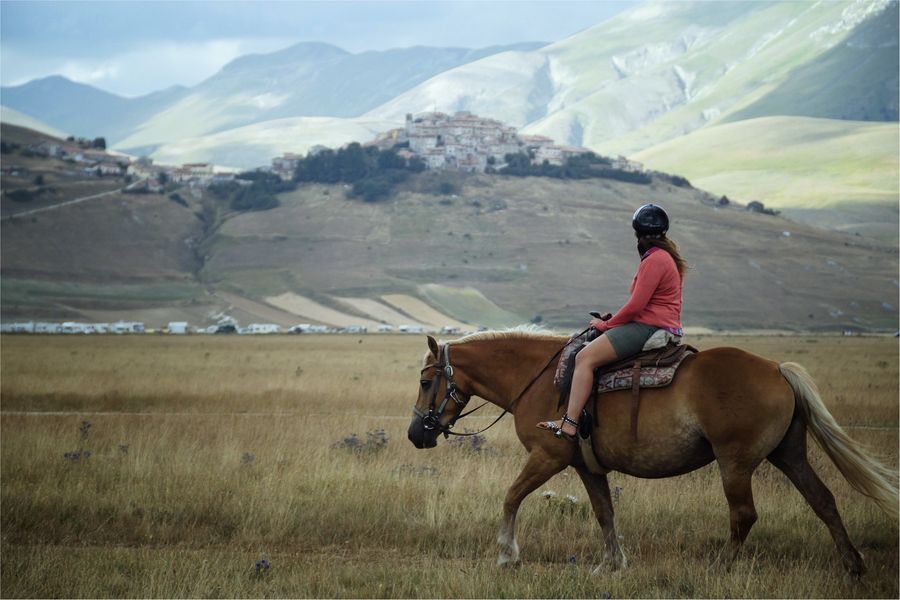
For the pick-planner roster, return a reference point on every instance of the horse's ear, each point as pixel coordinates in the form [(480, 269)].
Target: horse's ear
[(433, 346)]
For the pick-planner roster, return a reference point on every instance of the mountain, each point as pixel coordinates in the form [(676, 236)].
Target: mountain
[(307, 79), (663, 69), (866, 90), (242, 147), (83, 110)]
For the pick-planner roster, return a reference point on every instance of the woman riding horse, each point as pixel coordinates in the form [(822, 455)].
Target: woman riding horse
[(655, 304)]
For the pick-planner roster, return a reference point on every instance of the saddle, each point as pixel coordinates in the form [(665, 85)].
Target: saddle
[(651, 368)]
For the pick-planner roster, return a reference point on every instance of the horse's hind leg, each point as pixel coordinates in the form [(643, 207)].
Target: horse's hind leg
[(597, 487), (790, 458), (736, 479), (538, 469)]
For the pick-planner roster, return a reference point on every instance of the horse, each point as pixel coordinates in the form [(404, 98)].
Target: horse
[(725, 404)]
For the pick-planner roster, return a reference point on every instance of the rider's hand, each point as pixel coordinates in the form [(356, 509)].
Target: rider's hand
[(598, 324)]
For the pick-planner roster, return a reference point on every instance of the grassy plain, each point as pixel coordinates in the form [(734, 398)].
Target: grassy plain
[(210, 454)]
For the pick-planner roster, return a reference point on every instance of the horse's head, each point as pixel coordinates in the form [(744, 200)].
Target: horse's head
[(440, 401)]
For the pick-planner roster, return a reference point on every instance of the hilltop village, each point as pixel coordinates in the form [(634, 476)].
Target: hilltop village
[(463, 142)]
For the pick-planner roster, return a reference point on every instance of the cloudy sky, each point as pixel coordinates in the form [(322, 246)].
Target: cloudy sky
[(134, 47)]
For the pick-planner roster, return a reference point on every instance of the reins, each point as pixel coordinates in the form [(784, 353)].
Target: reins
[(451, 392)]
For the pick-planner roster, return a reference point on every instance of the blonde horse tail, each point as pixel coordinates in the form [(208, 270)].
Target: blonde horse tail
[(865, 474)]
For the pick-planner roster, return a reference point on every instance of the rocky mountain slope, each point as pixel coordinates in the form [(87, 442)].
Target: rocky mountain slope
[(663, 69)]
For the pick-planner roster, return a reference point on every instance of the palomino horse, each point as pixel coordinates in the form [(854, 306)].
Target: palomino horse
[(725, 405)]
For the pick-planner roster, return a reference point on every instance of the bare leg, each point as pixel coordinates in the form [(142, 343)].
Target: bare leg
[(597, 487), (790, 458), (538, 469), (596, 354)]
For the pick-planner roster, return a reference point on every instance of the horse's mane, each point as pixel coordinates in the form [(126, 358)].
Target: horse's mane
[(520, 332)]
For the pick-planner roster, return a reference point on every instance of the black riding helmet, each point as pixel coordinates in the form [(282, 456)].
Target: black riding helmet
[(650, 220)]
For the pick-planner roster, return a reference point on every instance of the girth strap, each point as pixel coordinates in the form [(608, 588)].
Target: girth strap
[(635, 397)]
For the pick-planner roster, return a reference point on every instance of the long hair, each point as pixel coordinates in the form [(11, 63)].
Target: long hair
[(645, 242)]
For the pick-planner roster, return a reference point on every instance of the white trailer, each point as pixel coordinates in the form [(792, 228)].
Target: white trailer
[(48, 328), (73, 327), (261, 328), (178, 327)]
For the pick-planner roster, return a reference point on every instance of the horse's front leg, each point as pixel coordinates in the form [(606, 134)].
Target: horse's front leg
[(597, 487), (538, 469)]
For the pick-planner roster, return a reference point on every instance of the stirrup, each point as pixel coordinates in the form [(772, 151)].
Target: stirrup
[(562, 434)]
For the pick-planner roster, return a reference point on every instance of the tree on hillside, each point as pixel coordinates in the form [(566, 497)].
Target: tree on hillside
[(254, 197), (416, 164), (99, 142), (350, 163), (388, 159)]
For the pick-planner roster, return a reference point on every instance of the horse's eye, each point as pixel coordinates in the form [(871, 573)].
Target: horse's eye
[(426, 383)]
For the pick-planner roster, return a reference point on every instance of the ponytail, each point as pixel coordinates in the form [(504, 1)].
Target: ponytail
[(645, 242)]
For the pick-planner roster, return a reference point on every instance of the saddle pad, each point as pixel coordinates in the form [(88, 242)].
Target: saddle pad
[(651, 376)]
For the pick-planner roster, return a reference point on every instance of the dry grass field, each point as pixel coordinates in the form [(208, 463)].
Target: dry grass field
[(221, 467)]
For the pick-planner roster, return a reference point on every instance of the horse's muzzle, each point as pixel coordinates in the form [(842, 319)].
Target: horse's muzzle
[(419, 436)]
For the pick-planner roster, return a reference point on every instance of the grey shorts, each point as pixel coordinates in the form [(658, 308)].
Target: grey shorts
[(629, 338)]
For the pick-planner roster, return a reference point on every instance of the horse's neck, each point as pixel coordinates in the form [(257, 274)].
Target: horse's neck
[(498, 370)]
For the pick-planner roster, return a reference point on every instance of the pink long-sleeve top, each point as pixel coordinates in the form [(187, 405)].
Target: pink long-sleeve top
[(655, 295)]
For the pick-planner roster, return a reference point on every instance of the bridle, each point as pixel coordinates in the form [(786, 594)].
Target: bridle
[(432, 419)]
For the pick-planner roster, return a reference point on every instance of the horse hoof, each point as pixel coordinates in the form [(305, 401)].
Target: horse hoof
[(856, 572), (610, 566), (508, 562)]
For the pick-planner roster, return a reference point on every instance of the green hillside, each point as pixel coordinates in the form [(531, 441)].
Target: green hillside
[(855, 80), (469, 305), (838, 174)]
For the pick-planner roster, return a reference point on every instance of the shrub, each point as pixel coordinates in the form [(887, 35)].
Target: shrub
[(583, 166), (254, 197), (375, 442), (476, 444), (378, 187), (20, 195), (448, 187)]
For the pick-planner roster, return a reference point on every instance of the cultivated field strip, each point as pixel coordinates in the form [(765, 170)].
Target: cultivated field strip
[(158, 467)]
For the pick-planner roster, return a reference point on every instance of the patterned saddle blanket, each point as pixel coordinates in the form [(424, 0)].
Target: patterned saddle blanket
[(652, 375), (658, 367)]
